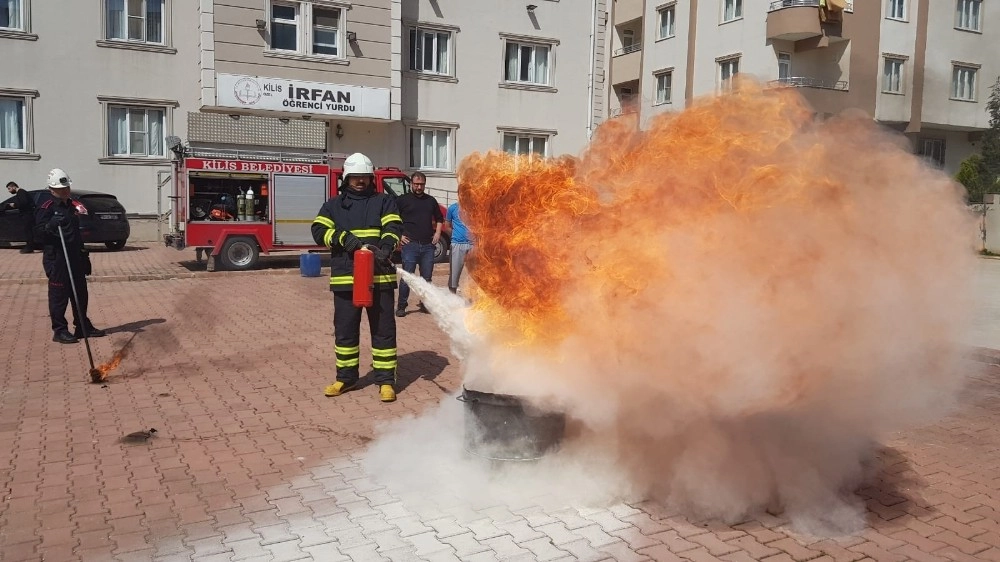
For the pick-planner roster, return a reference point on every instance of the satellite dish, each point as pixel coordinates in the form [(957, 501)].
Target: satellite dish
[(173, 142)]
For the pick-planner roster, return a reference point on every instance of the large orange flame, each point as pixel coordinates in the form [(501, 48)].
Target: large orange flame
[(599, 227)]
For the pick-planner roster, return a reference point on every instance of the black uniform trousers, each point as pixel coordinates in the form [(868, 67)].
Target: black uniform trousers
[(29, 231), (347, 334), (61, 291)]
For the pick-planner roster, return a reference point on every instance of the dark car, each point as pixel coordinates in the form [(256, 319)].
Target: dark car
[(105, 222)]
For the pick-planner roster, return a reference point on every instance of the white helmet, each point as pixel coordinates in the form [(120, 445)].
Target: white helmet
[(59, 179), (358, 164)]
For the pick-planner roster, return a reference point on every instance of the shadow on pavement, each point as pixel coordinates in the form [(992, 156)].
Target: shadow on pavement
[(134, 327), (893, 492), (416, 365)]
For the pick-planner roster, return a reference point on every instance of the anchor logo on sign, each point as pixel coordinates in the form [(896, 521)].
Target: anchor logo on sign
[(247, 91)]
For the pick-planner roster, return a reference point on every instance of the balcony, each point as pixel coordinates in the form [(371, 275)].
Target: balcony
[(625, 64), (627, 10), (794, 20), (824, 96), (806, 82)]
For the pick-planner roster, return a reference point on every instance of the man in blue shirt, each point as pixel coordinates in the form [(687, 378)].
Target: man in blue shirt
[(461, 243)]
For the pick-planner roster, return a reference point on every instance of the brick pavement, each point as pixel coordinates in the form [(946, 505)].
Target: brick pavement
[(251, 462)]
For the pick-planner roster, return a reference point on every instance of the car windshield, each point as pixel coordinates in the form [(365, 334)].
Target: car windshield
[(396, 186)]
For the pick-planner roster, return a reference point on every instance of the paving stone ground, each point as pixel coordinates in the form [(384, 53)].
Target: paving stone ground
[(251, 462)]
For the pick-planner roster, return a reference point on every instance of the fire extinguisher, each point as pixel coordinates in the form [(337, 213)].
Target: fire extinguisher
[(364, 277)]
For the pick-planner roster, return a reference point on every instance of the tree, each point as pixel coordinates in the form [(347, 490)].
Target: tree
[(980, 173), (990, 146), (971, 174)]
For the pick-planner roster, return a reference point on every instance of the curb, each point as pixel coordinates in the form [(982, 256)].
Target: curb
[(157, 276)]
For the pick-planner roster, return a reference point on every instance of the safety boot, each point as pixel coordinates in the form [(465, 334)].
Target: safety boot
[(387, 393), (338, 388), (63, 336)]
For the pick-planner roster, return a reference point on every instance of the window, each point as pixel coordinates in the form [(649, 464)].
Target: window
[(963, 83), (727, 70), (307, 28), (896, 9), (732, 10), (11, 15), (892, 76), (134, 20), (967, 14), (430, 51), (13, 124), (527, 63), (326, 29), (135, 131), (664, 82), (932, 150), (665, 19), (285, 27), (430, 149), (628, 39), (784, 66), (526, 145)]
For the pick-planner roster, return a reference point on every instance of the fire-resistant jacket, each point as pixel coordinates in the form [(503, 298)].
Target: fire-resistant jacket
[(370, 216)]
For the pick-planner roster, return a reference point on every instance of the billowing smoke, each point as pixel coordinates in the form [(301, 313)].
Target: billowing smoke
[(732, 305)]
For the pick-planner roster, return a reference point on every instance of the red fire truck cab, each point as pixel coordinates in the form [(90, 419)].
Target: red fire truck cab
[(234, 206)]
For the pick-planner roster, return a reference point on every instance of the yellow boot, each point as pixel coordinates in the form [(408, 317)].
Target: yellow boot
[(338, 388), (387, 393)]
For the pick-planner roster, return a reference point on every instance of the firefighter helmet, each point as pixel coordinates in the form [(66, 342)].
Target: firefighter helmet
[(358, 164), (58, 179)]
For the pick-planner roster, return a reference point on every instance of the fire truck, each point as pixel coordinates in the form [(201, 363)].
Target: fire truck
[(232, 206)]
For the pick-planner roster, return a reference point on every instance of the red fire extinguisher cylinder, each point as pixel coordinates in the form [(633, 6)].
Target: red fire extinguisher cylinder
[(364, 277)]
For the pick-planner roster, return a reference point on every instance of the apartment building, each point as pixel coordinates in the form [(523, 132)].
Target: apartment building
[(94, 88), (429, 81), (921, 67), (98, 87)]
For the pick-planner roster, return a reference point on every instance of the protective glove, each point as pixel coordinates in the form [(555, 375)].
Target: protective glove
[(60, 220), (383, 253), (351, 242)]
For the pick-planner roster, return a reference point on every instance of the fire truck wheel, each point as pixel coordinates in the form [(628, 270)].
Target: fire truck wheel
[(240, 253), (441, 250), (116, 245)]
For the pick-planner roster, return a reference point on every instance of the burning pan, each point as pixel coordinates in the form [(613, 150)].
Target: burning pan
[(502, 427)]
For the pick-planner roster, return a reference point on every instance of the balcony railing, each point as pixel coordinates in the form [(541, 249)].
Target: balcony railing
[(779, 4), (628, 49), (805, 82)]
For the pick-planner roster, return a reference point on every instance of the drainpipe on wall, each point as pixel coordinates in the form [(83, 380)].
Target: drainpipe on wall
[(593, 64)]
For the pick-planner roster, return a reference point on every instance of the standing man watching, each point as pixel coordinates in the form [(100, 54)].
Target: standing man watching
[(422, 221), (461, 243), (55, 215), (358, 217), (26, 208)]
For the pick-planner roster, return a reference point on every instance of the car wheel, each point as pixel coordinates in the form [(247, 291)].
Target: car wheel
[(441, 250), (116, 245), (240, 253)]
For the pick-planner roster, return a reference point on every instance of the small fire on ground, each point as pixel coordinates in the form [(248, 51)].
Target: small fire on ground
[(100, 373)]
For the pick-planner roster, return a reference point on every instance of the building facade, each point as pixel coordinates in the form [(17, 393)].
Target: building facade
[(96, 88), (921, 67)]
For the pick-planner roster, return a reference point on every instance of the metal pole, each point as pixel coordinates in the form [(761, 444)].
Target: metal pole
[(76, 299)]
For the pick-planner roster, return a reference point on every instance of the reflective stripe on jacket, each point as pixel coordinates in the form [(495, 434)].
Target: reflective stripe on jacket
[(370, 216)]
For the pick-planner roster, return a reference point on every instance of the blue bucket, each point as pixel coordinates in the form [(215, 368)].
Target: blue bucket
[(309, 265)]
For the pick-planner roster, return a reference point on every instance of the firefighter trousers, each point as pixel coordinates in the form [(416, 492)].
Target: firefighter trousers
[(61, 293), (347, 336)]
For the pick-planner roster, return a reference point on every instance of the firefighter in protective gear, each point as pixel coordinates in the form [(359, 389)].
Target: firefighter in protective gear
[(60, 214), (356, 217)]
